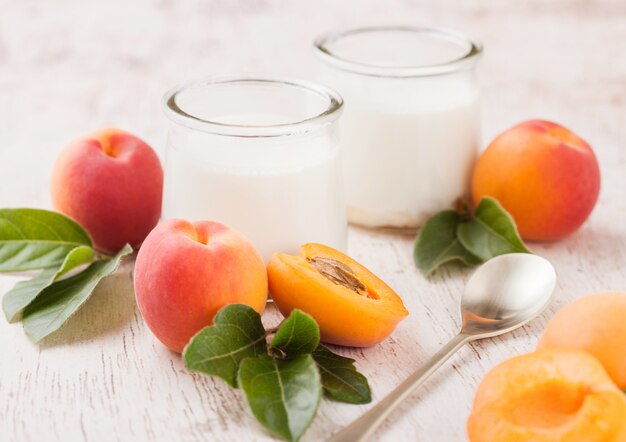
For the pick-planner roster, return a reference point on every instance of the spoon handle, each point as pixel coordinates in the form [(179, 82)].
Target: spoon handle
[(362, 428)]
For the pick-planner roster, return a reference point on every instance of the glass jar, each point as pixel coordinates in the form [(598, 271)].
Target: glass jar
[(411, 127), (260, 155)]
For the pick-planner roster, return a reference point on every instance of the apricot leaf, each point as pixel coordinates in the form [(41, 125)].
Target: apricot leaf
[(490, 232), (437, 243), (283, 382), (218, 350), (35, 239), (24, 292), (284, 394), (60, 300), (298, 334), (340, 379), (467, 238)]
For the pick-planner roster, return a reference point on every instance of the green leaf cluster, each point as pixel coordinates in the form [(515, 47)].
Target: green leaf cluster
[(283, 380), (460, 236), (53, 244)]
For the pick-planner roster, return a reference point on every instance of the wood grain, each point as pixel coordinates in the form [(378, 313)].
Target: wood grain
[(69, 67)]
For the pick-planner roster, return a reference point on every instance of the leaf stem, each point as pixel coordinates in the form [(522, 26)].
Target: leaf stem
[(271, 331), (462, 207)]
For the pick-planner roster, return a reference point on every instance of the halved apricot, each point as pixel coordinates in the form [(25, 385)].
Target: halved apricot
[(352, 306), (550, 395)]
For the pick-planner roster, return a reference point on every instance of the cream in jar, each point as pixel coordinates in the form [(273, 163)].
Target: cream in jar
[(259, 155), (411, 126)]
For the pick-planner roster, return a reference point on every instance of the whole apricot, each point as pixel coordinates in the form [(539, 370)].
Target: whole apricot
[(548, 396), (111, 182), (351, 305), (543, 174), (186, 272), (596, 324)]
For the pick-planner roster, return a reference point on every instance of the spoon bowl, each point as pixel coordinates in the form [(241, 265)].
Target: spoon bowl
[(503, 294)]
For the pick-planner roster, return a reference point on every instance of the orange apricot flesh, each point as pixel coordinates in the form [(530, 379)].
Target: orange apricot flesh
[(550, 395), (352, 306)]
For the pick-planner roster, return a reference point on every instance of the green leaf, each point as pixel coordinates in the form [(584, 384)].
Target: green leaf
[(218, 350), (340, 379), (491, 232), (284, 394), (24, 292), (437, 243), (59, 301), (36, 239), (298, 334)]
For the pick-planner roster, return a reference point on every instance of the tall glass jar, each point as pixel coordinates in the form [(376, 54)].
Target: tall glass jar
[(411, 127), (261, 155)]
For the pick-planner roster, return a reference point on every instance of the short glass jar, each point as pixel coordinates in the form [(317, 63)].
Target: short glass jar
[(261, 155), (411, 127)]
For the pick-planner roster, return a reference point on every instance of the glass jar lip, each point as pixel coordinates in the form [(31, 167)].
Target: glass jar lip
[(465, 61), (331, 112)]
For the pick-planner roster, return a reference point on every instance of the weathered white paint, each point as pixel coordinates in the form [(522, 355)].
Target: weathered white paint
[(68, 67)]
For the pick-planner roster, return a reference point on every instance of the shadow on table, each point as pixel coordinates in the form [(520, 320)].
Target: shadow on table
[(110, 308)]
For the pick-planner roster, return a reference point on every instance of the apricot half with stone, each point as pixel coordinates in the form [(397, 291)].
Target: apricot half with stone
[(352, 306)]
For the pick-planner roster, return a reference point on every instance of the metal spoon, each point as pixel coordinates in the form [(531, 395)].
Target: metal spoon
[(503, 294)]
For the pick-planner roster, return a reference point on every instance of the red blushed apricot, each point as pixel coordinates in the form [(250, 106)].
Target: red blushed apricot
[(543, 174), (186, 272), (111, 182), (596, 324), (548, 396), (352, 306)]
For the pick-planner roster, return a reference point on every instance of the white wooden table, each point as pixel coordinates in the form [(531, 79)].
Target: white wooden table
[(71, 66)]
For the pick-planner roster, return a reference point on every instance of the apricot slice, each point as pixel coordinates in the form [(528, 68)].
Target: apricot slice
[(352, 306), (549, 395)]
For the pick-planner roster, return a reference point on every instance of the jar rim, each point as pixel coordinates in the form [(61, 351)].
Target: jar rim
[(332, 108), (465, 61)]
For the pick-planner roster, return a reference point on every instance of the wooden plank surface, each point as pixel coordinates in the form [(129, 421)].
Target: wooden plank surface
[(68, 67)]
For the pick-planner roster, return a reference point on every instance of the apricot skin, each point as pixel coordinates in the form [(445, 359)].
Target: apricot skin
[(111, 182), (550, 395), (186, 272), (344, 316), (596, 324), (544, 175)]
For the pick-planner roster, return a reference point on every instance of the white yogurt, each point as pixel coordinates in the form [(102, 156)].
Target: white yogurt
[(403, 167), (278, 205), (411, 124), (260, 155)]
